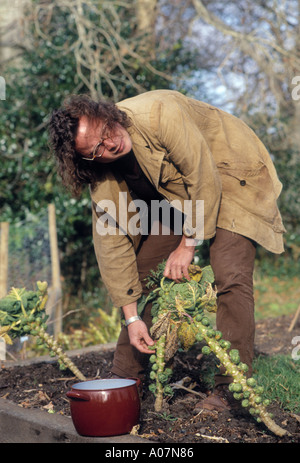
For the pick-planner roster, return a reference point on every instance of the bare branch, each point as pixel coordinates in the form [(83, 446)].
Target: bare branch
[(106, 56), (264, 48), (242, 39)]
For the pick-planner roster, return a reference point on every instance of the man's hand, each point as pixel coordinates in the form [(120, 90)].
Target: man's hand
[(137, 331), (179, 260), (139, 337)]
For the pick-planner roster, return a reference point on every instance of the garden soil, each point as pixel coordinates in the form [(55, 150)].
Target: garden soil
[(43, 385)]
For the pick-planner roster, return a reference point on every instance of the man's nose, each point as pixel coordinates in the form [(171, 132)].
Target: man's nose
[(110, 144)]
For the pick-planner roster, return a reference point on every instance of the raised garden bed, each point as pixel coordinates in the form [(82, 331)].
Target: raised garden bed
[(41, 385)]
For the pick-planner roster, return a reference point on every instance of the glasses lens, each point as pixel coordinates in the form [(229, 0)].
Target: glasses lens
[(100, 148)]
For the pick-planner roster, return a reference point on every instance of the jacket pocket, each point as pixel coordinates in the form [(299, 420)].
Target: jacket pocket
[(251, 188)]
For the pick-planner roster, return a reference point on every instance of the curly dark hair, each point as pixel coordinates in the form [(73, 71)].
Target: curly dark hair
[(62, 127)]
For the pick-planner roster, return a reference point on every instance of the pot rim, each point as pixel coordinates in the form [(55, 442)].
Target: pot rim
[(103, 384)]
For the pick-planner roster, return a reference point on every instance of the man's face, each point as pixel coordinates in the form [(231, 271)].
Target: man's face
[(116, 143)]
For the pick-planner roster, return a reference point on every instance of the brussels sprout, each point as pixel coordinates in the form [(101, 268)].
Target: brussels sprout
[(243, 367), (259, 390), (162, 377), (245, 403), (218, 335), (230, 387), (152, 375), (199, 337), (251, 382), (235, 356), (210, 333), (152, 388), (152, 358), (225, 344), (205, 350), (168, 390), (205, 321), (236, 387)]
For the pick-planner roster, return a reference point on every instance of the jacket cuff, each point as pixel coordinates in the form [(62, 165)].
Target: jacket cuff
[(132, 295)]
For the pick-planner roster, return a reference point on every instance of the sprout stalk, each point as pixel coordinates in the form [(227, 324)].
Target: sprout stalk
[(253, 399), (38, 330), (158, 370)]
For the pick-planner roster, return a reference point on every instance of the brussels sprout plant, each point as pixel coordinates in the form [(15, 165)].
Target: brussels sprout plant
[(23, 313), (179, 320)]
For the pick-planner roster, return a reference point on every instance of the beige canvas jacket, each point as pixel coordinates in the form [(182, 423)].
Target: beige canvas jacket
[(189, 150)]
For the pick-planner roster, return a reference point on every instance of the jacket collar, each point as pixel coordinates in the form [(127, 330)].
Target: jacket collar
[(149, 159)]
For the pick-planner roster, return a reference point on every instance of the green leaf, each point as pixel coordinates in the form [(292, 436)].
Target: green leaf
[(208, 274)]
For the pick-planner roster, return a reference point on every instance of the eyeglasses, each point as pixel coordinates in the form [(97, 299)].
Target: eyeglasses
[(98, 149)]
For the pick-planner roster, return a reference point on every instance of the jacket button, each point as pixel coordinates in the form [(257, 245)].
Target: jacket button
[(130, 291), (243, 182)]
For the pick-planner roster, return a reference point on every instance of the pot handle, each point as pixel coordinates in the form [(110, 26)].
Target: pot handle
[(77, 395), (137, 380)]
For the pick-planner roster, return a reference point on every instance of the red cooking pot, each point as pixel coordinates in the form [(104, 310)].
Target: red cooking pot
[(105, 407)]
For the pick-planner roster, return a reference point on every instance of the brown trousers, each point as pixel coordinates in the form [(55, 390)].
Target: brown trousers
[(232, 259)]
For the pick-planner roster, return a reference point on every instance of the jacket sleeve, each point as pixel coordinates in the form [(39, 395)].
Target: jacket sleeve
[(115, 252), (187, 149)]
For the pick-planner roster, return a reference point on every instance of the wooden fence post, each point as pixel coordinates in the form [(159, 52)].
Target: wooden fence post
[(4, 233), (54, 305), (4, 258)]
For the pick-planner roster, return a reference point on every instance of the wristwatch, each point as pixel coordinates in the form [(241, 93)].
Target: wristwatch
[(132, 320)]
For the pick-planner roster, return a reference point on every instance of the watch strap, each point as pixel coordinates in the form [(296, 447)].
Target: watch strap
[(132, 320)]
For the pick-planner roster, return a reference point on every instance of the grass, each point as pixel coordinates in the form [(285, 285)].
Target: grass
[(276, 296), (277, 293), (279, 375)]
